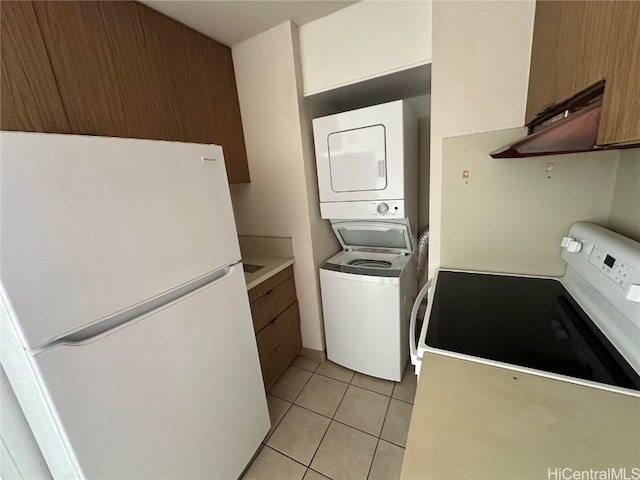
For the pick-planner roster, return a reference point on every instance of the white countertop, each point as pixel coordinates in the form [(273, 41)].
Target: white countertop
[(270, 266), (472, 420), (274, 254)]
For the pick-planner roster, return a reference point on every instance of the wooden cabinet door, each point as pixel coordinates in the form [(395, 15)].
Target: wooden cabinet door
[(578, 43), (98, 54), (571, 46), (279, 343), (620, 121), (30, 99), (267, 307), (197, 88), (292, 339)]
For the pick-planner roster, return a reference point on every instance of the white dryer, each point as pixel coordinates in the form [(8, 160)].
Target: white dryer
[(367, 163), (367, 294)]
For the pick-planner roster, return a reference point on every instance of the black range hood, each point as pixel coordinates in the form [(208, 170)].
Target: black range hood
[(570, 126)]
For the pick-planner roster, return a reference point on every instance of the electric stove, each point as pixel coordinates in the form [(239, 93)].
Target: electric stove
[(583, 327)]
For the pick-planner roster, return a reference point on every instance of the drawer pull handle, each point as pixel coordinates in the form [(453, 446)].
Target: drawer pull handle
[(277, 348)]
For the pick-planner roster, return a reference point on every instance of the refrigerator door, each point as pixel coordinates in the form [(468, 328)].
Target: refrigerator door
[(93, 226), (174, 394)]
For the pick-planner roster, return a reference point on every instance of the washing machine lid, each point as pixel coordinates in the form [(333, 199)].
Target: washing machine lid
[(392, 237)]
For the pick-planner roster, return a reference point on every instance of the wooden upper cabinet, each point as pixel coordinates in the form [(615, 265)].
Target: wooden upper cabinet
[(621, 120), (117, 68), (197, 89), (578, 43), (97, 51), (30, 99), (571, 41)]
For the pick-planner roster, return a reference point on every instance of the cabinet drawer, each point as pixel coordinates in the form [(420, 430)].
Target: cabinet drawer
[(279, 343), (271, 304), (267, 341), (291, 339), (259, 290)]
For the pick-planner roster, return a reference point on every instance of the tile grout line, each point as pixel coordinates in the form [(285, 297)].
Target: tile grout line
[(298, 394), (315, 471), (347, 425), (373, 458), (309, 410), (283, 454), (385, 421), (291, 403), (341, 381), (381, 427), (328, 426), (332, 418), (332, 378), (273, 429)]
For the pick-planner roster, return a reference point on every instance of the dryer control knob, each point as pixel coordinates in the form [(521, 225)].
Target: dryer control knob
[(383, 208)]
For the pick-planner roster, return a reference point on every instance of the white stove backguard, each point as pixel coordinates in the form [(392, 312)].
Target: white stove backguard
[(603, 275)]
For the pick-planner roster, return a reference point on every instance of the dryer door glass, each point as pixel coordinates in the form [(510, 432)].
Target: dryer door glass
[(357, 159)]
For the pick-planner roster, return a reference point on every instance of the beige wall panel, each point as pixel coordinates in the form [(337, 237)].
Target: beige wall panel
[(480, 75), (276, 202), (625, 209), (364, 40), (509, 216)]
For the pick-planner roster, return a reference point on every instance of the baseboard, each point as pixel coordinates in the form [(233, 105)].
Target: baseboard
[(310, 353)]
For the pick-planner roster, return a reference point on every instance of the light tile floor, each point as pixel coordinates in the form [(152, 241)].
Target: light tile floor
[(329, 422)]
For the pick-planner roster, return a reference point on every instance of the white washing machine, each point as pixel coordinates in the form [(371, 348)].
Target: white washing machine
[(367, 294), (367, 163)]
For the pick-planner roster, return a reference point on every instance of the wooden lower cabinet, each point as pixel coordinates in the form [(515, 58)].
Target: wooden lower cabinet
[(276, 321), (279, 343)]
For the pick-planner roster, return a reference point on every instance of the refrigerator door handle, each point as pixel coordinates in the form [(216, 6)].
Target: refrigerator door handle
[(123, 317)]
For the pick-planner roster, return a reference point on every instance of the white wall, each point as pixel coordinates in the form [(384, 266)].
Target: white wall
[(364, 40), (510, 214), (424, 142), (625, 209), (323, 241), (480, 74), (279, 201)]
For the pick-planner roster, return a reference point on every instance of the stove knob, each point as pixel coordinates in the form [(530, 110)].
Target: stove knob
[(574, 246), (565, 241), (383, 208), (634, 293)]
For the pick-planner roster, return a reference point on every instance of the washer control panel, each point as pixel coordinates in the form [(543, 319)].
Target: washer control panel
[(612, 267)]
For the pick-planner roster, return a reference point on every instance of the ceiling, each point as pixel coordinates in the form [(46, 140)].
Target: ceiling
[(231, 21)]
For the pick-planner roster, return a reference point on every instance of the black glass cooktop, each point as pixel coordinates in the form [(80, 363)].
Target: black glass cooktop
[(530, 322)]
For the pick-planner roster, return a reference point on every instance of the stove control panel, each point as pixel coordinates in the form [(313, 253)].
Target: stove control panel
[(610, 264), (604, 278), (612, 267)]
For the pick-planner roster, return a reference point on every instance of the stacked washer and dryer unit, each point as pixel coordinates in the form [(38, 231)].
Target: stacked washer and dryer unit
[(367, 164)]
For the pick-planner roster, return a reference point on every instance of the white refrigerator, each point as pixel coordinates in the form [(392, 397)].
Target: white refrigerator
[(126, 329)]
